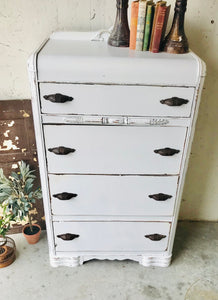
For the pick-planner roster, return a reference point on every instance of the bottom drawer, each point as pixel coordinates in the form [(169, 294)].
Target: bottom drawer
[(111, 236)]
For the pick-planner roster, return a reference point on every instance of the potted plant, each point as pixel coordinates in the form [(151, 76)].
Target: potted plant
[(17, 193), (7, 244)]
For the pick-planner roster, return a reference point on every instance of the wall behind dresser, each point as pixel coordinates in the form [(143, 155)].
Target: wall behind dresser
[(25, 24)]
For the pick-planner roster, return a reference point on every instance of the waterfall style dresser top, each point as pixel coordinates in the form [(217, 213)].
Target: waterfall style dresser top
[(114, 129)]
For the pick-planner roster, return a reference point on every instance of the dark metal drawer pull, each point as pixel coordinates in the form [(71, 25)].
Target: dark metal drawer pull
[(174, 101), (166, 151), (68, 236), (61, 150), (160, 197), (57, 98), (155, 237), (65, 196)]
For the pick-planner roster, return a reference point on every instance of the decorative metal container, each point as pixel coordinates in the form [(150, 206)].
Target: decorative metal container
[(120, 34), (176, 40), (7, 251)]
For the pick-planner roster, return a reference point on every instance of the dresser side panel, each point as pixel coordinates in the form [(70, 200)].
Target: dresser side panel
[(32, 72), (187, 151)]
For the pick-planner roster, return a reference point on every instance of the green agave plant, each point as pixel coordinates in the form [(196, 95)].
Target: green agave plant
[(17, 195)]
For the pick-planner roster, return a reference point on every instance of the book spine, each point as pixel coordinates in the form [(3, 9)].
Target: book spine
[(158, 29), (148, 26), (133, 24), (165, 23), (141, 25), (153, 24)]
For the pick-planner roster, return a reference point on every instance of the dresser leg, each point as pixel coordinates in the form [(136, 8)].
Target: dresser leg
[(158, 261), (66, 261)]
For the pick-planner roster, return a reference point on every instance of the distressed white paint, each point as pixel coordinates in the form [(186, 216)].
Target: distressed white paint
[(11, 124), (8, 145), (77, 61), (105, 144), (160, 260), (41, 152), (103, 99), (104, 218), (14, 166), (124, 237), (116, 192), (6, 133), (115, 120), (113, 150)]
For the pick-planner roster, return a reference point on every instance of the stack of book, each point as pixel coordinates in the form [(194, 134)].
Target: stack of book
[(148, 25)]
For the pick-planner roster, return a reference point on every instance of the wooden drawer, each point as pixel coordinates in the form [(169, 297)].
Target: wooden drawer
[(114, 150), (112, 195), (116, 100), (112, 236)]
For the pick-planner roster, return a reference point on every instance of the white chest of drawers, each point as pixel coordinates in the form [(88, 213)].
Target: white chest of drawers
[(114, 129)]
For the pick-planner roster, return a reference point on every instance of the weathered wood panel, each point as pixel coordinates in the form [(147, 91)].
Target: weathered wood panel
[(17, 142)]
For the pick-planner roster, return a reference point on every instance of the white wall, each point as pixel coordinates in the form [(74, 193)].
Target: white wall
[(24, 24)]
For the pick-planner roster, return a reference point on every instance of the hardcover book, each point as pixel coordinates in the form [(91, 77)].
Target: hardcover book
[(165, 25), (158, 5), (148, 26), (133, 24), (141, 24), (158, 29)]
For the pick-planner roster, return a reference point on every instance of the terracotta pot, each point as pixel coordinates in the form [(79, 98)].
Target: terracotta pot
[(32, 238)]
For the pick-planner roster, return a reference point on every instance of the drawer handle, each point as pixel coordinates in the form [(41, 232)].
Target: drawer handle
[(65, 196), (68, 236), (160, 197), (174, 101), (58, 98), (166, 151), (155, 237), (61, 150)]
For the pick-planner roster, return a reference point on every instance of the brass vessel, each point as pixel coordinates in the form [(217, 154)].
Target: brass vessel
[(176, 40)]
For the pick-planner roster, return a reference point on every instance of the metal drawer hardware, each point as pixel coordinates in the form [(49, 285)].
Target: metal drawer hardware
[(155, 237), (174, 101), (166, 151), (61, 150), (160, 197), (65, 196), (68, 236), (58, 98)]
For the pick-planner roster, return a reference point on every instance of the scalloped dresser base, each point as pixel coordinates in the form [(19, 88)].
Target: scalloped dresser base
[(146, 261)]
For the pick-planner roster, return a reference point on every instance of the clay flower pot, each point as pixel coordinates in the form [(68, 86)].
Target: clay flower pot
[(32, 237)]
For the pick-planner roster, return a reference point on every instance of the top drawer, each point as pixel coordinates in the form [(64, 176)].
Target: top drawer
[(117, 100)]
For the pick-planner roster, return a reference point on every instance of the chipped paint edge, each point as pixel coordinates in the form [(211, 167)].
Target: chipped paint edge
[(32, 73), (188, 146)]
